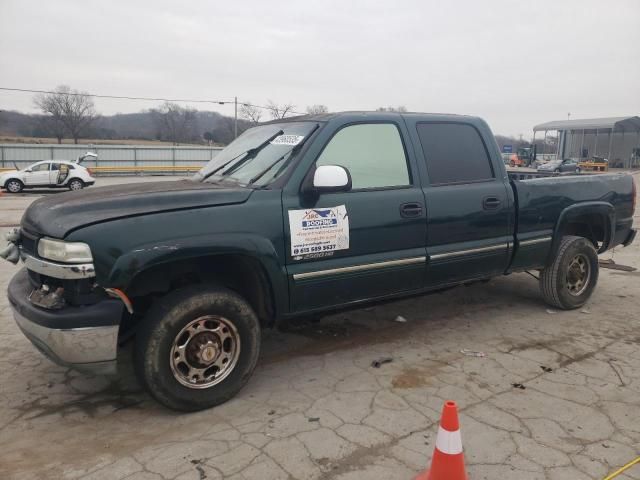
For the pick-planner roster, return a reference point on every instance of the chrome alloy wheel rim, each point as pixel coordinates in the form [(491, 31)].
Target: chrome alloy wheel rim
[(578, 275), (205, 352)]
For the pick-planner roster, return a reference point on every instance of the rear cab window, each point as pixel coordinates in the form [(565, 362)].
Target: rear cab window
[(454, 153)]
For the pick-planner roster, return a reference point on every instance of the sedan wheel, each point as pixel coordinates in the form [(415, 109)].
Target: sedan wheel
[(76, 184), (14, 186)]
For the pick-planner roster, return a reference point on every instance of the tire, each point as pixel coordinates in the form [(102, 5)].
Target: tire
[(75, 184), (513, 164), (14, 185), (557, 170), (564, 283), (178, 332), (578, 170)]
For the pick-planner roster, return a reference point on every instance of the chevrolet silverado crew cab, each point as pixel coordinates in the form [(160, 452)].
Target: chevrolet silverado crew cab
[(296, 217)]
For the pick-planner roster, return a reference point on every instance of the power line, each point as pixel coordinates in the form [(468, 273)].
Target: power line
[(151, 99), (118, 97)]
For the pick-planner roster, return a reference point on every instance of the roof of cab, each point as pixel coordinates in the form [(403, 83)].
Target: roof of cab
[(325, 117)]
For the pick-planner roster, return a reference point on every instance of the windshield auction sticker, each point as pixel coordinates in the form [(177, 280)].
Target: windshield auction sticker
[(318, 232), (290, 140)]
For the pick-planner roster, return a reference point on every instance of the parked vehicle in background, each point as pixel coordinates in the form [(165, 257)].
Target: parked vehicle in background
[(516, 161), (566, 165), (48, 174), (296, 217), (594, 164)]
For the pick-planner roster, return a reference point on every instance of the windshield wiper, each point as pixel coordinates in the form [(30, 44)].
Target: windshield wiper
[(273, 164), (252, 152)]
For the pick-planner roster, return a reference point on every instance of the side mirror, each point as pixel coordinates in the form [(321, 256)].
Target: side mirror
[(28, 170), (331, 178)]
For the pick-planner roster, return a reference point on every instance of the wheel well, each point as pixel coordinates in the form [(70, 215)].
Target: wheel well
[(240, 273), (592, 226), (12, 178)]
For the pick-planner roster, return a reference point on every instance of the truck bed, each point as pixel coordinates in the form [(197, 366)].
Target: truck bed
[(540, 199)]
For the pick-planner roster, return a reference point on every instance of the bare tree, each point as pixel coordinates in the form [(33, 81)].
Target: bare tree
[(279, 111), (175, 123), (317, 109), (53, 125), (251, 113), (399, 108), (72, 109)]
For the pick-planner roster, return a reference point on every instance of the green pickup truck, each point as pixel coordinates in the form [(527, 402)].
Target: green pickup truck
[(297, 217)]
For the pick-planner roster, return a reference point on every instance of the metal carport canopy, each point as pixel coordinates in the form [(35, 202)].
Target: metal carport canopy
[(615, 123)]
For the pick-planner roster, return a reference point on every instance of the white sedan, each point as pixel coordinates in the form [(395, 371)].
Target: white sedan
[(47, 174)]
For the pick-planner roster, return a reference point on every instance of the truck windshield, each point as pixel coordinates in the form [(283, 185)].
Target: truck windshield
[(259, 155)]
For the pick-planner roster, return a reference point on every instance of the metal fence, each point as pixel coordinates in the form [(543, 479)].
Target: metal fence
[(113, 156)]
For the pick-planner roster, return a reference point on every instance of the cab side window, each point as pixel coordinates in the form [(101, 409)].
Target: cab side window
[(455, 153), (373, 153)]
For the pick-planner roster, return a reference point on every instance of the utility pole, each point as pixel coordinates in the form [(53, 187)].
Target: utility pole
[(235, 118)]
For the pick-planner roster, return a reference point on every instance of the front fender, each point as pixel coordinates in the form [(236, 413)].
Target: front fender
[(132, 263)]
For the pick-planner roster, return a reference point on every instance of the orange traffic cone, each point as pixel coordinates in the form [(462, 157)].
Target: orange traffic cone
[(448, 460)]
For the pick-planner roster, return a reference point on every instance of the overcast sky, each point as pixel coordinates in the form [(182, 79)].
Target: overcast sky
[(515, 63)]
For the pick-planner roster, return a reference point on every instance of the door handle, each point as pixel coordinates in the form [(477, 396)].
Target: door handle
[(410, 210), (490, 203)]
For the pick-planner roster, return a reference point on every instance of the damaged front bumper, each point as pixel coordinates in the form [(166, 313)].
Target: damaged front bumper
[(82, 337)]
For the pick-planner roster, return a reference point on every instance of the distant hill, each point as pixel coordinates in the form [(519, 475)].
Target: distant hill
[(126, 126)]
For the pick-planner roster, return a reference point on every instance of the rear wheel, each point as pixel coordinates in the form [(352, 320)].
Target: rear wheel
[(197, 347), (577, 169), (569, 281), (76, 184), (14, 186)]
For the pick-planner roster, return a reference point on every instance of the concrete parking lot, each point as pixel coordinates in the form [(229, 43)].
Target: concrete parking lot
[(316, 408)]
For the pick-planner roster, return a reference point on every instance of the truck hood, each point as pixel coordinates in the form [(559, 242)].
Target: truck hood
[(58, 214)]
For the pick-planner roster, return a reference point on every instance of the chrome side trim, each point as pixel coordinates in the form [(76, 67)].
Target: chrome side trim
[(456, 253), (59, 270), (359, 268), (524, 243)]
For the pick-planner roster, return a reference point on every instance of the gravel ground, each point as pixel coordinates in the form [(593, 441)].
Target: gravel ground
[(316, 408)]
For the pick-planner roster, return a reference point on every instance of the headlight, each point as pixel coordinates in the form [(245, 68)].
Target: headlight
[(66, 252)]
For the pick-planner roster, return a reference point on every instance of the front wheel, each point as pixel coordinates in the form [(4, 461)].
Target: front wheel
[(572, 276), (197, 347), (14, 186), (76, 184)]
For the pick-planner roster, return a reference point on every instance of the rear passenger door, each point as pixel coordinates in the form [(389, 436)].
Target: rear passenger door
[(380, 250), (470, 208)]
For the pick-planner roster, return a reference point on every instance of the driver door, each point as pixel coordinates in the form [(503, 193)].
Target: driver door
[(375, 244), (39, 174)]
